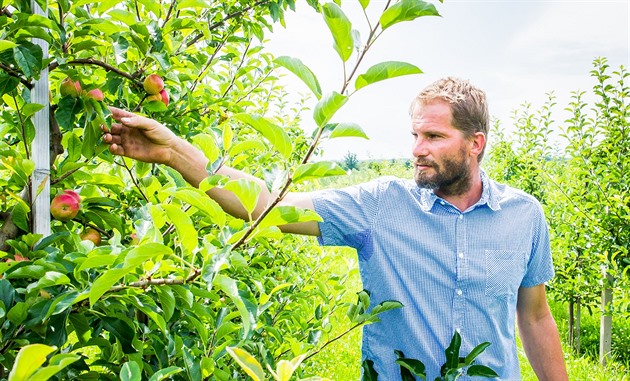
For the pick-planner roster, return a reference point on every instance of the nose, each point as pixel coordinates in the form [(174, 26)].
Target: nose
[(419, 148)]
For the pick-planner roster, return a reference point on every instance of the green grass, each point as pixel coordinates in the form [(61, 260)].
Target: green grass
[(341, 361)]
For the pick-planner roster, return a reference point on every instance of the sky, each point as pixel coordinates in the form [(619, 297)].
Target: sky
[(516, 51)]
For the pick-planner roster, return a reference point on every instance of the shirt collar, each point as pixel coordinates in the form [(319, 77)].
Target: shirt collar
[(489, 196)]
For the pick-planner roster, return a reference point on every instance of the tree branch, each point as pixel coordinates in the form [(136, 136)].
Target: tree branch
[(106, 66), (228, 17), (16, 74)]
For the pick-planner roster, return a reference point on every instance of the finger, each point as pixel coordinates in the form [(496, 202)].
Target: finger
[(116, 150), (139, 122), (119, 113)]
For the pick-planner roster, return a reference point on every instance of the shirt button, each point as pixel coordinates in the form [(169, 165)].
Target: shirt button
[(461, 217), (442, 202), (459, 292), (461, 255)]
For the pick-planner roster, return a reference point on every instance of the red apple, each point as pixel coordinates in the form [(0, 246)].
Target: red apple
[(96, 94), (153, 84), (162, 96), (91, 234), (70, 87), (65, 206)]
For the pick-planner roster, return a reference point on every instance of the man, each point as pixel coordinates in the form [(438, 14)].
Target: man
[(461, 252)]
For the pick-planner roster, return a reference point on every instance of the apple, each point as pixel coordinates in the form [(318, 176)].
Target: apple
[(70, 87), (162, 96), (153, 84), (17, 258), (91, 234), (65, 206), (96, 94)]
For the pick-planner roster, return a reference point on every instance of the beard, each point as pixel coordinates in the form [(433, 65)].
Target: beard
[(450, 178)]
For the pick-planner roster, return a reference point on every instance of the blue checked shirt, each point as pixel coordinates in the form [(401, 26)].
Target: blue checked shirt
[(452, 271)]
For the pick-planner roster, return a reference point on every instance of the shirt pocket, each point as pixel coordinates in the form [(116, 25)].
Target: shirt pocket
[(504, 272)]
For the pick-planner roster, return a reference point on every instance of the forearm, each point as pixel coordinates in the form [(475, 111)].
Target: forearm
[(191, 163), (543, 348)]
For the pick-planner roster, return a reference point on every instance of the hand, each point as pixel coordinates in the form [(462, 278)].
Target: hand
[(140, 138)]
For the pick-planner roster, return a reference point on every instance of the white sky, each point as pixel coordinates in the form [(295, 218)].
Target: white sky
[(517, 51)]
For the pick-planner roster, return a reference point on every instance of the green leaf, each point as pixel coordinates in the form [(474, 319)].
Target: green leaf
[(55, 365), (481, 371), (317, 170), (273, 133), (130, 371), (386, 305), (282, 215), (383, 71), (302, 71), (364, 3), (250, 365), (203, 203), (7, 83), (476, 352), (207, 145), (184, 226), (103, 283), (164, 373), (452, 352), (28, 360), (51, 278), (247, 191), (326, 108), (340, 130), (406, 10), (246, 308), (416, 367), (5, 44), (122, 331), (341, 30), (369, 374), (167, 301), (67, 109), (28, 57)]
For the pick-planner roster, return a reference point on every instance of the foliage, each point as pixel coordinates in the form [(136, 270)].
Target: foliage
[(454, 367), (583, 187), (178, 289), (350, 161)]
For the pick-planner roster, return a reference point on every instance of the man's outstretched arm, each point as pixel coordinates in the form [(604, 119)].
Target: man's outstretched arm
[(146, 140)]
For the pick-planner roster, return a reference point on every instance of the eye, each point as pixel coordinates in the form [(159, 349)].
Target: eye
[(415, 136)]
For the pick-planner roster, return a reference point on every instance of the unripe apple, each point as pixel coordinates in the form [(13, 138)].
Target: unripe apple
[(153, 84), (96, 94), (70, 87), (91, 234), (65, 206)]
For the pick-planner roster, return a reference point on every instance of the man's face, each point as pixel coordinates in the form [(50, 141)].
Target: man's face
[(442, 152)]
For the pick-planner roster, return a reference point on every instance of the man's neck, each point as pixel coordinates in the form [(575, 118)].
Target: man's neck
[(467, 196)]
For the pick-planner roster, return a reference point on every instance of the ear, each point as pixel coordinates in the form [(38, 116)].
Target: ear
[(478, 141)]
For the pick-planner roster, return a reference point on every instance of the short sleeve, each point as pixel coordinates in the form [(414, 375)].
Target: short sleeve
[(348, 213), (540, 264)]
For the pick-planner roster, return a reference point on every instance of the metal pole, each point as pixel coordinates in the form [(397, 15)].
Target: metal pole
[(40, 180)]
